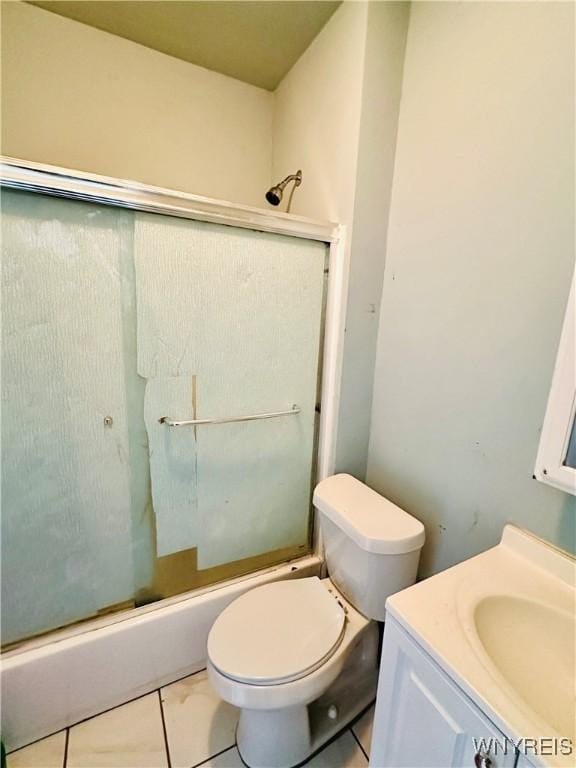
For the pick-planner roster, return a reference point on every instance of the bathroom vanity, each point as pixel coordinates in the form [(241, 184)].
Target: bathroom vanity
[(478, 664)]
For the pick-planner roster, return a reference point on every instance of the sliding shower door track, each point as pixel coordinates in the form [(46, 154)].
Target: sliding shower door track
[(61, 182), (307, 563)]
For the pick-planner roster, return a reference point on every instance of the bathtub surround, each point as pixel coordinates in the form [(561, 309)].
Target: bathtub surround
[(480, 256)]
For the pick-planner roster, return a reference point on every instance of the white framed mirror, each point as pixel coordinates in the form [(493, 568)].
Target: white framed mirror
[(556, 459)]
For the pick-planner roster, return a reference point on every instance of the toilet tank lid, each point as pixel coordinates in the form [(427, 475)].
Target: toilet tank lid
[(374, 523)]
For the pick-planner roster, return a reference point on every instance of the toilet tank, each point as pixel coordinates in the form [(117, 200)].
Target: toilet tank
[(372, 546)]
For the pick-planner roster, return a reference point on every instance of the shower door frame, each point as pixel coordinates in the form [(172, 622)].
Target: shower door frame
[(51, 180)]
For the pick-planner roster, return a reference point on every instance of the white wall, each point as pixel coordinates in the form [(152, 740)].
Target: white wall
[(336, 118), (480, 253), (81, 98), (387, 27), (317, 117)]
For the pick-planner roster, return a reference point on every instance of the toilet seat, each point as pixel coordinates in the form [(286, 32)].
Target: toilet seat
[(277, 633)]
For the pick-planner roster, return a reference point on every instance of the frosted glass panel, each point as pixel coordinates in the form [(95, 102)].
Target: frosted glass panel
[(112, 319), (240, 311), (66, 487), (172, 464)]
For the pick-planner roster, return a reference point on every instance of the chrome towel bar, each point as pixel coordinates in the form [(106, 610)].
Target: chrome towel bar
[(170, 422)]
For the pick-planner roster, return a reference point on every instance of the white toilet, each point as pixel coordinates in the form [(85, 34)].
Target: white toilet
[(300, 657)]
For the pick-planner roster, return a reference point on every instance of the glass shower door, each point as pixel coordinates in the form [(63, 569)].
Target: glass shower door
[(112, 321), (66, 491), (228, 325)]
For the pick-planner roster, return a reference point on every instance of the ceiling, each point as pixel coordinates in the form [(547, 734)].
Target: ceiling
[(257, 42)]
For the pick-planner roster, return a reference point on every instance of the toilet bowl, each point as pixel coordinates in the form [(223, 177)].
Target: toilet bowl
[(300, 658), (290, 647)]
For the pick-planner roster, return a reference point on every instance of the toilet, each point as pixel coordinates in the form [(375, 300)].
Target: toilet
[(300, 657)]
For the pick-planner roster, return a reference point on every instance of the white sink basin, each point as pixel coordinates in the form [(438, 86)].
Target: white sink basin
[(503, 627), (533, 647)]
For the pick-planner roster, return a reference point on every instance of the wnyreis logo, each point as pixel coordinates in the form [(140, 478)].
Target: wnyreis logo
[(543, 746)]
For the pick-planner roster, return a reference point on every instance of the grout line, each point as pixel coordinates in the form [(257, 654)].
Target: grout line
[(222, 751), (357, 740), (104, 711), (111, 709), (179, 679), (321, 749), (163, 730), (66, 742), (36, 741)]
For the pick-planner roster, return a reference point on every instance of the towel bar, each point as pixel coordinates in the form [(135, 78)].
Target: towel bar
[(170, 422)]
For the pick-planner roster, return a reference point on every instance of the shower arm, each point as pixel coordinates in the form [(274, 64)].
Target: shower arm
[(275, 193), (298, 181)]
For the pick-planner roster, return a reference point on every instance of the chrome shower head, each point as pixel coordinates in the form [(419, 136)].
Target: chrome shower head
[(274, 194)]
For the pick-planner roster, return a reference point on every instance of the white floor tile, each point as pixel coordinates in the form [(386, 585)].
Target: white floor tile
[(198, 723), (130, 736), (228, 759), (363, 729), (48, 753), (342, 753)]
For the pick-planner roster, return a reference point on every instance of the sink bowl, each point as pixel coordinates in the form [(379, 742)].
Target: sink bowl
[(533, 648)]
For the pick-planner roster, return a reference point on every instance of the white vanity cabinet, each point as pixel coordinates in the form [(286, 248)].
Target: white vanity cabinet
[(422, 718)]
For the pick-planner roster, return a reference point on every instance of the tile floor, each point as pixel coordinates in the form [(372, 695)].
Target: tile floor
[(182, 725)]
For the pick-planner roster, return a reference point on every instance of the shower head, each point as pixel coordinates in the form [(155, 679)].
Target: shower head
[(274, 194)]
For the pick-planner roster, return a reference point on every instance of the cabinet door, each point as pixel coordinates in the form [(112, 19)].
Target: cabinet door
[(422, 718)]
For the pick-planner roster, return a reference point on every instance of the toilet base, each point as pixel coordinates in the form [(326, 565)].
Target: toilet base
[(285, 738)]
